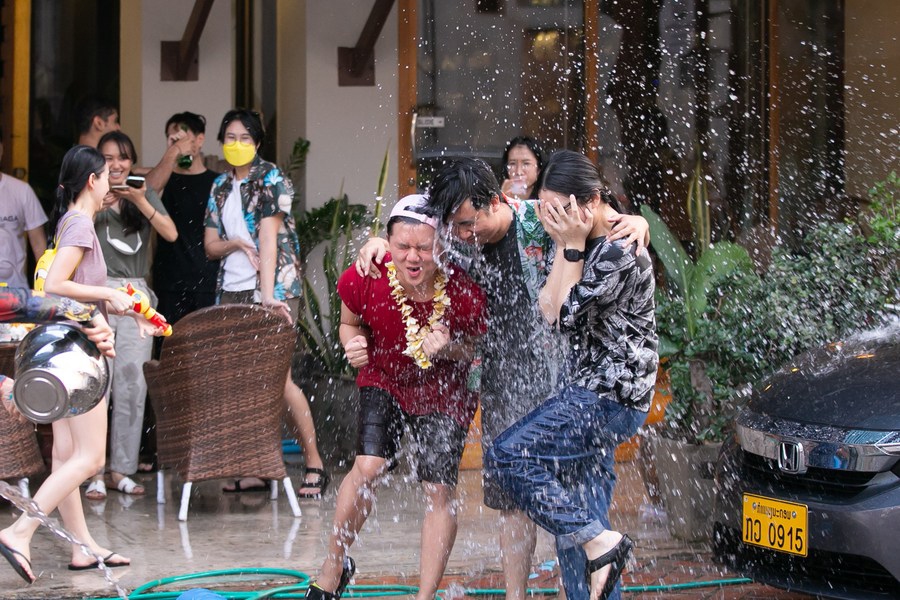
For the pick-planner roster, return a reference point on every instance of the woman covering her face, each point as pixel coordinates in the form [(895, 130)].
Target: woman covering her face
[(600, 294)]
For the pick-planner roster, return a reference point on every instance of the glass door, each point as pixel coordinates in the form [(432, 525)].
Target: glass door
[(492, 72)]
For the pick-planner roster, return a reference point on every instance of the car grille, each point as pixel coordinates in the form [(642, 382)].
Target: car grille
[(816, 481), (844, 573)]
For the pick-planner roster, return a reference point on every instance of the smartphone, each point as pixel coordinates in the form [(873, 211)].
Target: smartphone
[(135, 181)]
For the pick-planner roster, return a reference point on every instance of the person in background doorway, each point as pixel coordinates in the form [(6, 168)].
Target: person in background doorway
[(21, 216), (183, 277), (523, 160), (250, 229), (95, 117)]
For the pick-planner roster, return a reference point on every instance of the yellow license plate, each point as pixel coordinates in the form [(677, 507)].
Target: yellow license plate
[(775, 524)]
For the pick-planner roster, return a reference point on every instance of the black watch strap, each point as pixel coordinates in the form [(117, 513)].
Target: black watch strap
[(573, 255)]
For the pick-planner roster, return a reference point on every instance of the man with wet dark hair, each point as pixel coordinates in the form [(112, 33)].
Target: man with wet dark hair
[(519, 353)]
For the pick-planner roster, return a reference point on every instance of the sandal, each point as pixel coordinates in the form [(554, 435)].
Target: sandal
[(127, 485), (314, 592), (617, 558), (96, 490), (107, 560), (11, 555), (321, 483)]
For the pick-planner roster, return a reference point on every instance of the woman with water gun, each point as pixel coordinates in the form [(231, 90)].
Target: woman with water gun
[(79, 443)]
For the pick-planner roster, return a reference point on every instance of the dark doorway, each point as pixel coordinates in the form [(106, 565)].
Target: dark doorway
[(75, 55)]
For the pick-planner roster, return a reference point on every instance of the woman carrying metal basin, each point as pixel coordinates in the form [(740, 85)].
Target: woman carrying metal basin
[(79, 443)]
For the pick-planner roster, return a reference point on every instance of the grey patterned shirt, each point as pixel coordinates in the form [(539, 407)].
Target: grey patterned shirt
[(609, 318)]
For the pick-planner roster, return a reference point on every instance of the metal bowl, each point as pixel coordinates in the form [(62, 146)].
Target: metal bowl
[(59, 373)]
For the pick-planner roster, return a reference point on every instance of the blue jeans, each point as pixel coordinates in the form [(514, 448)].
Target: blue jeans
[(557, 464)]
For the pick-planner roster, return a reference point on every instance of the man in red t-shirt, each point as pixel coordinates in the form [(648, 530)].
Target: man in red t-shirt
[(411, 334)]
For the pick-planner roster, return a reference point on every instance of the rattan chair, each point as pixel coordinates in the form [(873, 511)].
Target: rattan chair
[(217, 391), (20, 456)]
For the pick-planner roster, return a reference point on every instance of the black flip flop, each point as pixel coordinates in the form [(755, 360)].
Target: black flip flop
[(96, 565), (321, 483), (617, 558), (10, 555)]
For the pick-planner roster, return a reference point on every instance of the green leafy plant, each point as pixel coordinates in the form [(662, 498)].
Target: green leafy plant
[(751, 325), (881, 222), (691, 281), (379, 194), (334, 224), (297, 158)]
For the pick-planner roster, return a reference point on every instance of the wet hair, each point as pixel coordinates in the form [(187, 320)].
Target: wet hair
[(91, 107), (195, 123), (79, 163), (132, 218), (523, 140), (573, 173), (462, 179), (249, 119)]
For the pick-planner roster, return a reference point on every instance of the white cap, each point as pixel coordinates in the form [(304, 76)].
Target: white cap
[(414, 206)]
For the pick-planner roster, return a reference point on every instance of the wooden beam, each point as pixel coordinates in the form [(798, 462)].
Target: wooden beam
[(774, 116), (592, 79), (407, 37), (180, 59), (16, 154), (356, 65)]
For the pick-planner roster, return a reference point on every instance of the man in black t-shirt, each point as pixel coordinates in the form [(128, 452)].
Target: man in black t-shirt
[(183, 278)]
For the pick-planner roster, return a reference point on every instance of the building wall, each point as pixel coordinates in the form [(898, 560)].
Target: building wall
[(871, 92), (349, 128), (145, 101)]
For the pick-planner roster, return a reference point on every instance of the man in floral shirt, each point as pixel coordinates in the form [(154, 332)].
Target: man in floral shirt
[(265, 192), (250, 228)]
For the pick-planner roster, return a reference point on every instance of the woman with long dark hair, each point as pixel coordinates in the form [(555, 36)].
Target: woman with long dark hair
[(79, 443), (124, 226), (557, 462)]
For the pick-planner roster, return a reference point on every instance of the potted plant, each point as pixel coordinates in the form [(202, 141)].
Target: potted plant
[(690, 435), (328, 379), (724, 328)]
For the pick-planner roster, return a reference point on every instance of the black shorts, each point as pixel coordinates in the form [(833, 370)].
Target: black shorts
[(437, 439)]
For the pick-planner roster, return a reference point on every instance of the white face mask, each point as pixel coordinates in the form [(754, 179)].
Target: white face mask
[(122, 246)]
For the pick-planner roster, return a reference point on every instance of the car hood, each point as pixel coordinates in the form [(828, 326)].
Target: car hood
[(853, 384)]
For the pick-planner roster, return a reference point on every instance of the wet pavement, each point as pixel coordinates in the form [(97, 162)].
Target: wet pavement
[(234, 531)]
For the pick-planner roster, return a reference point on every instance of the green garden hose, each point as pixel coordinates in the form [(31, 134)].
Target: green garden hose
[(298, 590)]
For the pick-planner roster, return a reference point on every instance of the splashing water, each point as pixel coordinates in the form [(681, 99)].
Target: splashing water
[(30, 508)]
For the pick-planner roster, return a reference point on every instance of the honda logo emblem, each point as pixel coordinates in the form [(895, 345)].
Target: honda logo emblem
[(791, 458)]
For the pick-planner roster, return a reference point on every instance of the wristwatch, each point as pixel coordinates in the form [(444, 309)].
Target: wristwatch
[(573, 255)]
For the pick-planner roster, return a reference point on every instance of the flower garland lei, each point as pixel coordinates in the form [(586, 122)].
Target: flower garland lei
[(415, 334)]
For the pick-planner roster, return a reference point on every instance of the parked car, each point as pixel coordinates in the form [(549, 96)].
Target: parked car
[(808, 484)]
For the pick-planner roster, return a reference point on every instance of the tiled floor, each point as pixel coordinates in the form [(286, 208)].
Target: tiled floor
[(246, 530)]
